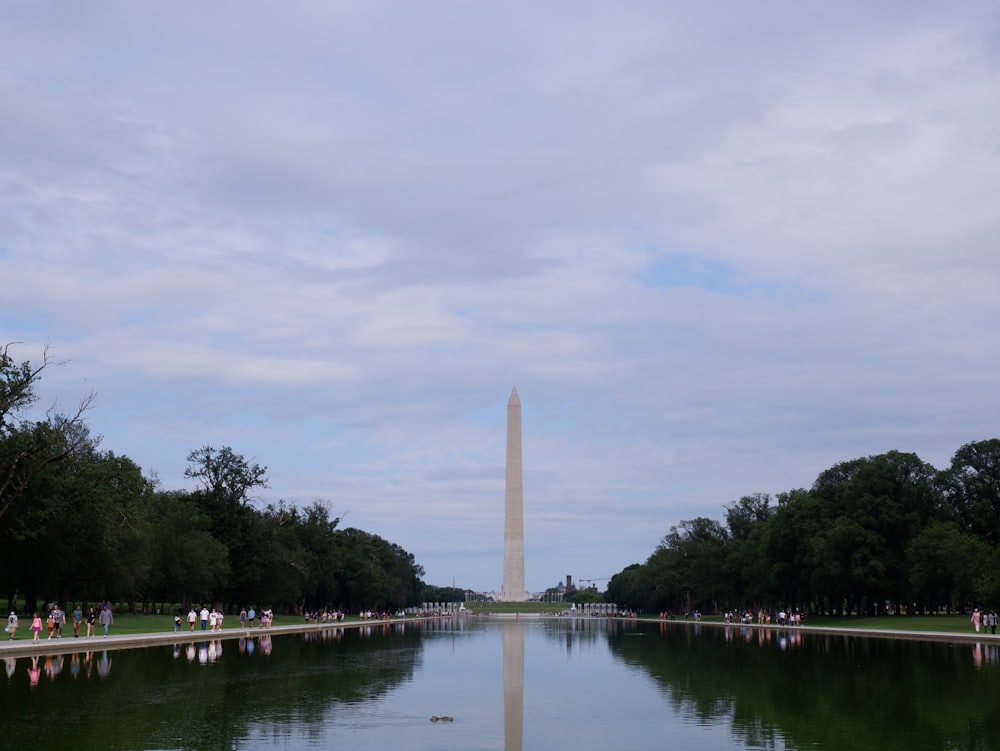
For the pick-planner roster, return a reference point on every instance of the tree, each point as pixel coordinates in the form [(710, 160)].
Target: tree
[(743, 516), (690, 560), (225, 475), (628, 588), (100, 505), (870, 509), (986, 586), (226, 480), (315, 530), (28, 447), (744, 563), (586, 597), (281, 565), (944, 562), (374, 573), (784, 550), (430, 593), (971, 487), (48, 517), (187, 564)]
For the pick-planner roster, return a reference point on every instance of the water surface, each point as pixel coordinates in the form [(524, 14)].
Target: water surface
[(531, 684)]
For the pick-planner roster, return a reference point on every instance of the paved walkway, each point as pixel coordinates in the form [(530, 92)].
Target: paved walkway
[(23, 645)]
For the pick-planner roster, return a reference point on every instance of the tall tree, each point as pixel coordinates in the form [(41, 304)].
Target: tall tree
[(227, 480), (944, 563), (783, 541), (28, 447), (972, 488), (281, 565), (628, 589), (374, 573), (871, 508), (690, 560), (744, 563), (316, 530), (188, 565)]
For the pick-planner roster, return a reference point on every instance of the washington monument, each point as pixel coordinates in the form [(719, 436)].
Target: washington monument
[(513, 524)]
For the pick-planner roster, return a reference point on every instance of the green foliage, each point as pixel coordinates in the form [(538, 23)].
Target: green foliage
[(629, 587), (373, 573), (430, 593), (971, 487), (227, 479), (87, 524), (586, 596), (187, 564), (28, 447), (876, 532)]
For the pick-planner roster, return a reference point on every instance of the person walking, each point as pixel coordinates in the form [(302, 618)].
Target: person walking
[(77, 619), (977, 619), (107, 618), (36, 626), (12, 624), (192, 617), (91, 620), (59, 620)]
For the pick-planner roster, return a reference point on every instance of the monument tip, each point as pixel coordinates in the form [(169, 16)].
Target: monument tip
[(514, 399)]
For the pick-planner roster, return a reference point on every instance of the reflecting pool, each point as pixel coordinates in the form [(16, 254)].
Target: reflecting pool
[(512, 684)]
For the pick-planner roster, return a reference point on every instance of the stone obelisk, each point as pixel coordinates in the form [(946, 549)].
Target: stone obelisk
[(513, 525)]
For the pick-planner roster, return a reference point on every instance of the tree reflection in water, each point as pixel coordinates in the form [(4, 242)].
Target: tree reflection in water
[(800, 689)]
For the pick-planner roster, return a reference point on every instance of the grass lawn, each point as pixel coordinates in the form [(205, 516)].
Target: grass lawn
[(145, 624), (148, 624)]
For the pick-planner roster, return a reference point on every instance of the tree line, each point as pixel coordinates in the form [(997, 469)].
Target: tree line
[(874, 534), (82, 523)]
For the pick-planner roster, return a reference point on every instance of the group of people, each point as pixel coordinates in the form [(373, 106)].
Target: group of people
[(982, 619), (763, 617), (57, 619), (324, 616), (211, 619), (249, 617)]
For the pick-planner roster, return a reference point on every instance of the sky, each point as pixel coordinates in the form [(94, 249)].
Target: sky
[(718, 248)]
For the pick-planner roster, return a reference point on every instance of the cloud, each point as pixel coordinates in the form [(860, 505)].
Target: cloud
[(717, 251)]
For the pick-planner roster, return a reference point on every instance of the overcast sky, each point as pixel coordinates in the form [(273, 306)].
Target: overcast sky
[(717, 247)]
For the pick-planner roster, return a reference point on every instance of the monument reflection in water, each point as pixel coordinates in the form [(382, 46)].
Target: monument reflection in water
[(512, 639), (587, 683)]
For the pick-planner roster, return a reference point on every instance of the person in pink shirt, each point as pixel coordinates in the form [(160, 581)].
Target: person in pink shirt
[(977, 618), (34, 671), (36, 626)]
